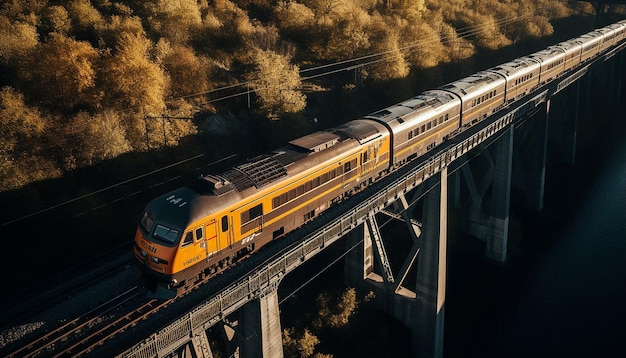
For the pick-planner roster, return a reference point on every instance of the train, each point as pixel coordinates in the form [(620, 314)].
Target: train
[(203, 228)]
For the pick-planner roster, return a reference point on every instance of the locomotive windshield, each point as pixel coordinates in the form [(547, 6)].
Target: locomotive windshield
[(165, 233)]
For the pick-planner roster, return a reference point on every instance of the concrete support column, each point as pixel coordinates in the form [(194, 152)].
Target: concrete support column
[(571, 130), (428, 326), (538, 176), (259, 324), (498, 225), (456, 178)]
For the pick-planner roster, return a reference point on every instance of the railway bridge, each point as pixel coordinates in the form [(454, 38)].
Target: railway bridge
[(470, 177)]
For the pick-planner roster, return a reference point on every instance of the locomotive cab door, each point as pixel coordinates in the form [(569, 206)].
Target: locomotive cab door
[(211, 243), (226, 232)]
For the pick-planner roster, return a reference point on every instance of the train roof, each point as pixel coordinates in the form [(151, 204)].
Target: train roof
[(547, 55), (477, 82), (411, 110), (517, 66)]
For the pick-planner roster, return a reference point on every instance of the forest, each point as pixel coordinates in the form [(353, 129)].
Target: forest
[(81, 81)]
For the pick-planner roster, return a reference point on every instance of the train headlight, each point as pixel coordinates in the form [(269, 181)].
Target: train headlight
[(143, 253), (155, 259)]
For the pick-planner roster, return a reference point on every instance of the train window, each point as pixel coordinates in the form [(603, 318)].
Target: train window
[(199, 234), (291, 194), (410, 135), (416, 131), (188, 239), (147, 222), (423, 128), (165, 233), (252, 214), (440, 119), (225, 222), (300, 190), (447, 117)]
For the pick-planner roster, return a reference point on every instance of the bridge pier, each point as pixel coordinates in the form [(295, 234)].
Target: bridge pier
[(497, 236), (421, 308), (537, 159), (259, 328)]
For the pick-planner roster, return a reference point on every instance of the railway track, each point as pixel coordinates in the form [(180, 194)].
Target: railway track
[(76, 328), (81, 335)]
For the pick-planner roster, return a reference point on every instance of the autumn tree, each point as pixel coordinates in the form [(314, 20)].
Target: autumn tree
[(336, 312), (299, 345), (16, 39), (277, 84), (135, 83), (187, 71), (95, 138), (390, 62), (61, 73), (22, 157), (56, 19), (174, 20)]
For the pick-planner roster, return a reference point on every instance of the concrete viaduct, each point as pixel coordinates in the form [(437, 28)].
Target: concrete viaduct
[(474, 172)]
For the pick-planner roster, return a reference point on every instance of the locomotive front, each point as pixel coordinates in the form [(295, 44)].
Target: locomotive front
[(159, 233)]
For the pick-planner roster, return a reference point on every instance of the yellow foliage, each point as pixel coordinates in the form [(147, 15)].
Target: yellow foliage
[(303, 347), (277, 84), (174, 19), (84, 14), (56, 19), (293, 15), (61, 72), (336, 312), (186, 70), (16, 39)]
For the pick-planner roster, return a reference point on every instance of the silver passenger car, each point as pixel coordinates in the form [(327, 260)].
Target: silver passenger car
[(522, 75), (552, 63), (481, 95), (420, 123)]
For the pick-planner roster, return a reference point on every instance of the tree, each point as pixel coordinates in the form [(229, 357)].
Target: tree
[(61, 73), (135, 83), (22, 157), (386, 42), (56, 19), (96, 138), (186, 70), (277, 84), (18, 122), (336, 312), (16, 39), (173, 20), (302, 346), (294, 16)]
